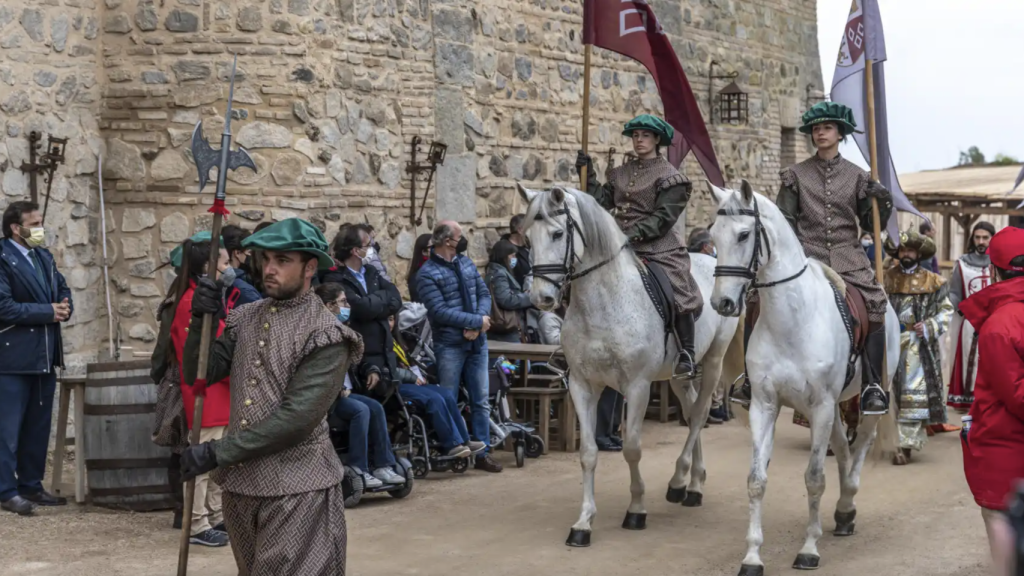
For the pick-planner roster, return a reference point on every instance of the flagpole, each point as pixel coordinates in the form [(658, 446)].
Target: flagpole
[(876, 215), (586, 111)]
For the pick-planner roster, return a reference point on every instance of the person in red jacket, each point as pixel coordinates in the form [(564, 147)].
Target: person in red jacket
[(207, 519), (994, 442)]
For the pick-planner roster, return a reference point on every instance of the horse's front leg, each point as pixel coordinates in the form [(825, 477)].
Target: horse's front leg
[(762, 426), (638, 395), (585, 400), (696, 407), (821, 418)]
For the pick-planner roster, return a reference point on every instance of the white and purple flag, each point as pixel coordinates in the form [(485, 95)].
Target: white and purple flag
[(863, 39)]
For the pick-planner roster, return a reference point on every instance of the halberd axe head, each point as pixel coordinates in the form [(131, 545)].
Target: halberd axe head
[(206, 157)]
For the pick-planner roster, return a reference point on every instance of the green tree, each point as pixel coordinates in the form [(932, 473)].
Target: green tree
[(1004, 160), (973, 157)]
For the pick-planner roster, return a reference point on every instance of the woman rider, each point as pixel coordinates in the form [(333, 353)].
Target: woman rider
[(646, 196)]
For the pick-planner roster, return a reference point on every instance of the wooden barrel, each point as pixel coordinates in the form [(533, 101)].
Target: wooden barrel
[(126, 469)]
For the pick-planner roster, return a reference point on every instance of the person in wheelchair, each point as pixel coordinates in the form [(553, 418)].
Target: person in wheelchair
[(367, 423), (440, 404)]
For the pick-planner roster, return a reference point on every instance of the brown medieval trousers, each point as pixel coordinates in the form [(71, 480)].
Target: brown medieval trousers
[(828, 202), (283, 505), (646, 197)]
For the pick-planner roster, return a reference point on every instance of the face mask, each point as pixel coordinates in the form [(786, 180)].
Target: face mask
[(228, 276), (865, 243), (714, 252), (369, 254), (462, 246), (344, 314), (907, 263), (36, 236), (512, 263)]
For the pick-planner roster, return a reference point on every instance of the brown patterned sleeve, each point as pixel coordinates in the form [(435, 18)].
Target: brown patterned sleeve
[(788, 199)]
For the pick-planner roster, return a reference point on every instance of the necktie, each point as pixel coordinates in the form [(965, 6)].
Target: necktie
[(38, 265)]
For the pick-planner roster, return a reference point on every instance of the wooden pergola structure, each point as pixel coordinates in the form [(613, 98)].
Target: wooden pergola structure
[(965, 195)]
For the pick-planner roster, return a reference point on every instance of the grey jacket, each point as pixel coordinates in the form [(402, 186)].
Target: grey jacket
[(506, 291)]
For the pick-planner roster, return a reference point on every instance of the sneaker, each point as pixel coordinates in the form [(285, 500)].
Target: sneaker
[(718, 415), (388, 476), (211, 538), (220, 528), (369, 482), (475, 446), (460, 451), (488, 464)]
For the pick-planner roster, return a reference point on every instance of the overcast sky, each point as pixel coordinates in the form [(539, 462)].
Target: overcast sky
[(954, 75)]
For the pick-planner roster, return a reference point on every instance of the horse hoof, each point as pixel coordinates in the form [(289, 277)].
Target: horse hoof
[(635, 521), (693, 500), (578, 538), (747, 570), (806, 562), (675, 495), (845, 525)]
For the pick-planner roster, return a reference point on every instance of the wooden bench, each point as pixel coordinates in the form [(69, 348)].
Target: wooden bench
[(536, 406), (664, 405), (517, 351), (57, 487)]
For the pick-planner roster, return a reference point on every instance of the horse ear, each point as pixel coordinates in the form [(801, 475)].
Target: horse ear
[(717, 194), (526, 194), (748, 192), (557, 195)]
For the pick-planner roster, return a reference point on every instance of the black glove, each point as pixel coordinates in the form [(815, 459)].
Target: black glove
[(583, 160), (197, 460), (876, 190), (207, 298)]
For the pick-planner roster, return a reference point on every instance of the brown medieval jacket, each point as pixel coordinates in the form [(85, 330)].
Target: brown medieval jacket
[(287, 361)]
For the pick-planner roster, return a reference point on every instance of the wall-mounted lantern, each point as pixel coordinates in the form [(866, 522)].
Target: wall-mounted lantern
[(47, 163), (732, 101)]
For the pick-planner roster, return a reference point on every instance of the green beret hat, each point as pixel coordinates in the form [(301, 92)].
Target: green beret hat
[(833, 112), (198, 237), (923, 245), (292, 235), (653, 124)]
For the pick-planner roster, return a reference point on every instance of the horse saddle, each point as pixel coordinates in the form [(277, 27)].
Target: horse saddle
[(659, 289)]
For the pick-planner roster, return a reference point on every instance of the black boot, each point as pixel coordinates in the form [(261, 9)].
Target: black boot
[(177, 489), (685, 329), (874, 400)]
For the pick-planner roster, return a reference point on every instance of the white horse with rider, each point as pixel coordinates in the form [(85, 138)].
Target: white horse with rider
[(613, 335), (797, 356)]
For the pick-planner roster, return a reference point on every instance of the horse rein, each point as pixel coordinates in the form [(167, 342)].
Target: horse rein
[(568, 266), (750, 271)]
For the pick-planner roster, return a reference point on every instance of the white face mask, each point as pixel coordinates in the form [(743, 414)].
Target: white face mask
[(369, 255), (36, 236), (865, 243)]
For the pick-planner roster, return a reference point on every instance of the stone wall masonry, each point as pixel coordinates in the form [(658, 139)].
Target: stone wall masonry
[(49, 83), (329, 96)]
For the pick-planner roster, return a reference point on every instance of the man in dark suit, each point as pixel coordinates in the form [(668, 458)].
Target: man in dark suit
[(34, 300)]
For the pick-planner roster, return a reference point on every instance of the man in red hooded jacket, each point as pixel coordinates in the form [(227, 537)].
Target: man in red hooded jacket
[(994, 446)]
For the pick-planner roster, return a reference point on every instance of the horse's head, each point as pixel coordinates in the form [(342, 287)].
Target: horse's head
[(739, 234), (555, 243)]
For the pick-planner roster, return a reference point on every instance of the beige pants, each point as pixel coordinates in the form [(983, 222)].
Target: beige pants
[(1000, 540), (206, 507)]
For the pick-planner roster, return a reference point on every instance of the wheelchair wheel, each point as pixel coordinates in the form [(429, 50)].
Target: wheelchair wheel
[(352, 488), (406, 470), (520, 449), (460, 466), (419, 467), (534, 446)]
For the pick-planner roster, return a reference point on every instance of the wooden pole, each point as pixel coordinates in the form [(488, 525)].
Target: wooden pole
[(197, 412), (586, 112), (873, 152)]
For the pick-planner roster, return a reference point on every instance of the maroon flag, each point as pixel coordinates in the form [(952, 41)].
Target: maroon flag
[(630, 28)]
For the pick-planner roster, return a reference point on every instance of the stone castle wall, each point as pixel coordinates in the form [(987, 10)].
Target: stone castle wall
[(329, 95)]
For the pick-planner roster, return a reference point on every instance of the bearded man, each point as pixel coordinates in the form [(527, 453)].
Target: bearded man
[(971, 274)]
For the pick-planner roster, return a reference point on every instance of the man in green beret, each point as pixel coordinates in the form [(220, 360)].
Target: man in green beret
[(286, 356), (827, 200), (646, 196)]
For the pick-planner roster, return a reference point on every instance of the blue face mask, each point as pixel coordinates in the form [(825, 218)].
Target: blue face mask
[(344, 314), (714, 252), (512, 263)]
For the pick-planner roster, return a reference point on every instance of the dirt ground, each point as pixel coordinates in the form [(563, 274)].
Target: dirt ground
[(918, 520)]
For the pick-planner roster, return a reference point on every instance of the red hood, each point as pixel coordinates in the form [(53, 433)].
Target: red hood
[(978, 308)]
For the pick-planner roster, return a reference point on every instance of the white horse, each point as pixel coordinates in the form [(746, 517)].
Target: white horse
[(613, 336), (797, 356)]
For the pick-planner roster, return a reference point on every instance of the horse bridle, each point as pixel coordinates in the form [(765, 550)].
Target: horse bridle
[(750, 271), (567, 269)]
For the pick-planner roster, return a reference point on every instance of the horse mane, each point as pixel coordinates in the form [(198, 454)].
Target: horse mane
[(601, 233)]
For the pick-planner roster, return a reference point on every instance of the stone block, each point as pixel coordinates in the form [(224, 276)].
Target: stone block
[(32, 21), (146, 16), (188, 70), (279, 215), (454, 24), (136, 246), (143, 269), (288, 169), (15, 183), (196, 95), (174, 228), (390, 175), (117, 24), (59, 32), (524, 126), (16, 103), (181, 21), (78, 233), (264, 135), (130, 308), (456, 188), (67, 90), (250, 19), (123, 161), (449, 115), (143, 332), (137, 219), (168, 165), (453, 63)]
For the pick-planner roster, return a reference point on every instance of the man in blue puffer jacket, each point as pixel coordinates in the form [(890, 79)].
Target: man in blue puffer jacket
[(458, 307), (34, 300)]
